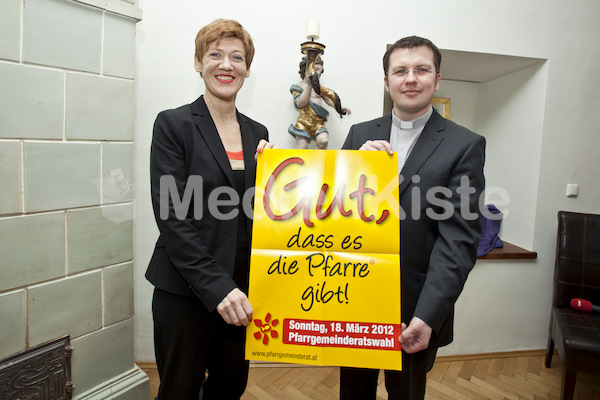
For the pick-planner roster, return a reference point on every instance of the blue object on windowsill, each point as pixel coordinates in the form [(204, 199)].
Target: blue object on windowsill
[(489, 231)]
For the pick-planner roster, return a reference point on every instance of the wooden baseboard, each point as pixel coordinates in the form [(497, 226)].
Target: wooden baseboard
[(146, 364), (502, 354), (453, 358)]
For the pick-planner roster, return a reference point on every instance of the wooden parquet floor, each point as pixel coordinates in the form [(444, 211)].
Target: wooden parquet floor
[(518, 377)]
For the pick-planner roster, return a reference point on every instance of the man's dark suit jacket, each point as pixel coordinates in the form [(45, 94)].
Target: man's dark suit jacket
[(435, 256), (197, 256)]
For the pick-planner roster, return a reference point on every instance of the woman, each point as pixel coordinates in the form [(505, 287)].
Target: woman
[(202, 166)]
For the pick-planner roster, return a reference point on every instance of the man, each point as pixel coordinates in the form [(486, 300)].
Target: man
[(440, 163)]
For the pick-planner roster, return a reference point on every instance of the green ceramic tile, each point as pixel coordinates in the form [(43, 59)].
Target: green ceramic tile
[(61, 175), (31, 100), (117, 172), (102, 355), (10, 29), (118, 293), (12, 315), (119, 46), (32, 248), (62, 34), (105, 115), (98, 237), (10, 176), (66, 306)]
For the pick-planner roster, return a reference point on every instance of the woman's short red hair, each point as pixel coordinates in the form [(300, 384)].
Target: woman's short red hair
[(224, 28)]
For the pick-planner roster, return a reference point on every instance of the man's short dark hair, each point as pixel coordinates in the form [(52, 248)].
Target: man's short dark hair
[(409, 43)]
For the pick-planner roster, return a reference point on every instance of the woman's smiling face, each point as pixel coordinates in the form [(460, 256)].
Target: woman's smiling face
[(223, 68)]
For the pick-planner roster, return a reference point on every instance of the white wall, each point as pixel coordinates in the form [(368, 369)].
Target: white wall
[(505, 305), (510, 113)]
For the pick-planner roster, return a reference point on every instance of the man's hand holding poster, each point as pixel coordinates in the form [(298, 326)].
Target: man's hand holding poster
[(325, 265)]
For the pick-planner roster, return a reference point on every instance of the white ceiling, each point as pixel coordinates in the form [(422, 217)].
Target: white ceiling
[(481, 67)]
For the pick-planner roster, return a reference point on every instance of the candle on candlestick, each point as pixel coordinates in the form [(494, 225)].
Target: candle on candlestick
[(312, 29)]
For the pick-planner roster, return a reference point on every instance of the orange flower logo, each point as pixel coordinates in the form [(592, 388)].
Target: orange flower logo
[(265, 328)]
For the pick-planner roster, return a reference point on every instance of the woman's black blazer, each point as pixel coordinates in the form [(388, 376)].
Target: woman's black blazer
[(195, 252)]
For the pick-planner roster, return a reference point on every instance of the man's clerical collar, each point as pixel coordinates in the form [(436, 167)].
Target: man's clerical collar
[(415, 123)]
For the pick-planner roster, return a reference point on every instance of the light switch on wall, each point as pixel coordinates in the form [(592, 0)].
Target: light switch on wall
[(572, 190)]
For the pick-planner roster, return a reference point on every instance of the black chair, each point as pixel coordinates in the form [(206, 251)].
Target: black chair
[(576, 334)]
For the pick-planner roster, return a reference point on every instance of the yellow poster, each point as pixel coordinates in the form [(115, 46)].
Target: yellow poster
[(325, 264)]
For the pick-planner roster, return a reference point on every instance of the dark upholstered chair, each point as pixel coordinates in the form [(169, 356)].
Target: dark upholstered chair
[(576, 334)]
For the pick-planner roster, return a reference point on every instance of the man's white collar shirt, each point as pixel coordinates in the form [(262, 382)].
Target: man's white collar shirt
[(404, 135)]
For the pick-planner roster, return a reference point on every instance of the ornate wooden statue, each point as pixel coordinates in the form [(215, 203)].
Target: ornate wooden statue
[(309, 96)]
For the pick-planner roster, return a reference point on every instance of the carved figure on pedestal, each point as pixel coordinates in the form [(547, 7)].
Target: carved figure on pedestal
[(308, 99)]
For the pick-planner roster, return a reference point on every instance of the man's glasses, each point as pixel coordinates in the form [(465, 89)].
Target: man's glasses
[(420, 72)]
